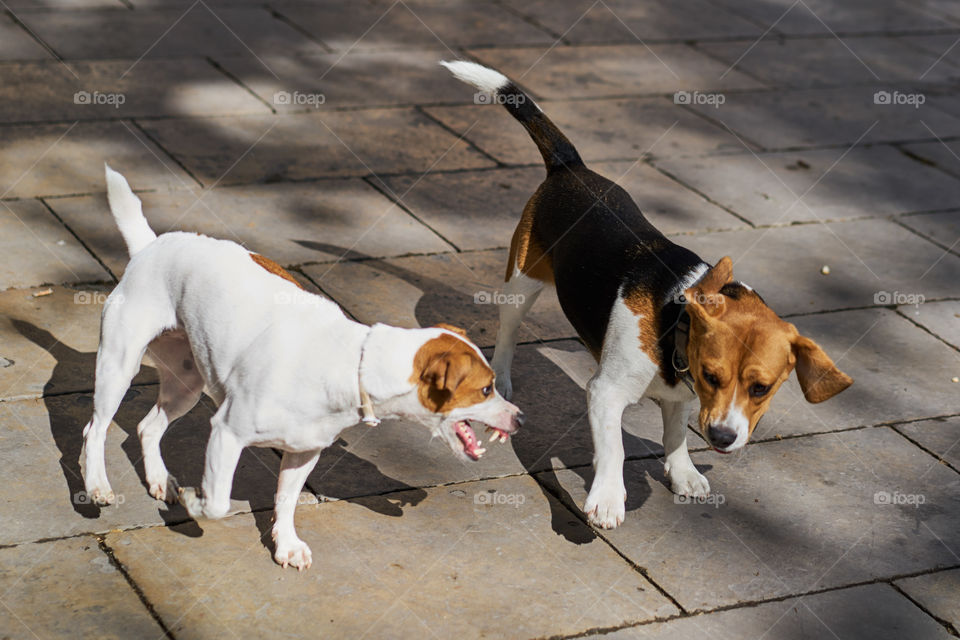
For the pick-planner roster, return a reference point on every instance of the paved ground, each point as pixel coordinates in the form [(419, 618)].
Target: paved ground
[(324, 135)]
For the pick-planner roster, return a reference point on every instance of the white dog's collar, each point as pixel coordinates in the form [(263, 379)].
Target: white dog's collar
[(367, 415)]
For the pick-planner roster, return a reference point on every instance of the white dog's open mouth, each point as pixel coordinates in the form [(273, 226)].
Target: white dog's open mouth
[(471, 445)]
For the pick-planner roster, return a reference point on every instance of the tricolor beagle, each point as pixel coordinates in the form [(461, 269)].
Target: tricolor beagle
[(286, 368), (660, 321)]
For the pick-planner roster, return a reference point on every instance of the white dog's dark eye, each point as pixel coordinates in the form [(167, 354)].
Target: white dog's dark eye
[(758, 390), (711, 379), (487, 390)]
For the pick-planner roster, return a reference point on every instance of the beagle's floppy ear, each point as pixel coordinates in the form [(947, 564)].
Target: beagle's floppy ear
[(704, 299), (819, 378), (447, 371), (450, 327)]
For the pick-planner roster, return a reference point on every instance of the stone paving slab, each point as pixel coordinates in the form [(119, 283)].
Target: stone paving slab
[(943, 155), (600, 129), (819, 117), (46, 91), (941, 228), (353, 78), (412, 24), (624, 21), (941, 436), (248, 149), (50, 160), (867, 259), (457, 554), (825, 18), (289, 223), (51, 340), (940, 318), (605, 71), (871, 611), (480, 209), (457, 289), (940, 46), (548, 386), (16, 44), (201, 30), (40, 448), (35, 249), (809, 186), (798, 515), (938, 592), (872, 347), (831, 61), (68, 589)]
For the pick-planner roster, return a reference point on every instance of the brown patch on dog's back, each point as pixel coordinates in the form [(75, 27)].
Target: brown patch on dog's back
[(526, 254), (449, 374), (274, 268), (641, 304)]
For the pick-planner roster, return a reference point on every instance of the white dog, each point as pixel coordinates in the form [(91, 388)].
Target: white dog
[(286, 368)]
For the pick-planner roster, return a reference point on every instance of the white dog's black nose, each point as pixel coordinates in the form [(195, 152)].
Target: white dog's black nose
[(518, 420), (721, 437)]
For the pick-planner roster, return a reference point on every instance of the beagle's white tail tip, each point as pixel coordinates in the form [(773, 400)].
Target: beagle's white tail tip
[(128, 212), (481, 77)]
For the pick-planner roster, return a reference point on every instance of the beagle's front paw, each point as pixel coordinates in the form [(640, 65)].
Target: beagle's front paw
[(605, 506), (293, 552), (687, 481)]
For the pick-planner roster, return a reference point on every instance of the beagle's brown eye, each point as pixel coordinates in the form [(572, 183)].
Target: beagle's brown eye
[(711, 379), (487, 390), (758, 390)]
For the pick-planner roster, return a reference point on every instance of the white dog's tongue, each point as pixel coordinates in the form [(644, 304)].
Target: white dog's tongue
[(469, 439)]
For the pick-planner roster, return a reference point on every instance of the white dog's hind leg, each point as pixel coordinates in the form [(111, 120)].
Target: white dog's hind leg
[(124, 339), (294, 469), (685, 480), (519, 294), (181, 386), (223, 453)]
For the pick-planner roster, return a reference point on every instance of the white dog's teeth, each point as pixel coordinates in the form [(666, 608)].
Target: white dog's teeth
[(494, 436), (503, 438), (480, 451)]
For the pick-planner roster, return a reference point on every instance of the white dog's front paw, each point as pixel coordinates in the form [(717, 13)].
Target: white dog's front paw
[(102, 496), (687, 481), (605, 506), (293, 552), (190, 499)]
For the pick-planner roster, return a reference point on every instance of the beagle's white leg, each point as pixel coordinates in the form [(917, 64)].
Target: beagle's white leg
[(685, 480), (606, 400), (223, 453), (520, 292), (289, 548)]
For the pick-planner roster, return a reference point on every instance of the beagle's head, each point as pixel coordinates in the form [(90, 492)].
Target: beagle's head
[(456, 385), (740, 352)]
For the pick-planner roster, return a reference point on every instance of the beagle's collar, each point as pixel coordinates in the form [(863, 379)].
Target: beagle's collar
[(681, 335)]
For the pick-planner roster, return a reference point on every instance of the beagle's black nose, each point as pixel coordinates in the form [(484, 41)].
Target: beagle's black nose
[(721, 437)]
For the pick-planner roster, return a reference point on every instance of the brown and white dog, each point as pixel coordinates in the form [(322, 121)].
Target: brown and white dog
[(660, 321), (286, 368)]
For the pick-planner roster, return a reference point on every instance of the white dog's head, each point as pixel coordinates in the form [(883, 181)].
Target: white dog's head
[(450, 389)]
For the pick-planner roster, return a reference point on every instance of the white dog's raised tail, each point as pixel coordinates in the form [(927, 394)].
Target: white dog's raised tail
[(128, 212)]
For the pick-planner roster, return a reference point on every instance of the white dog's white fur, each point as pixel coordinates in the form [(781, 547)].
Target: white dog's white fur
[(284, 366)]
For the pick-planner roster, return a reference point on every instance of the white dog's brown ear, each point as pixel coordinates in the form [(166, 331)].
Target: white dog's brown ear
[(819, 378), (704, 299), (447, 371), (719, 275)]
